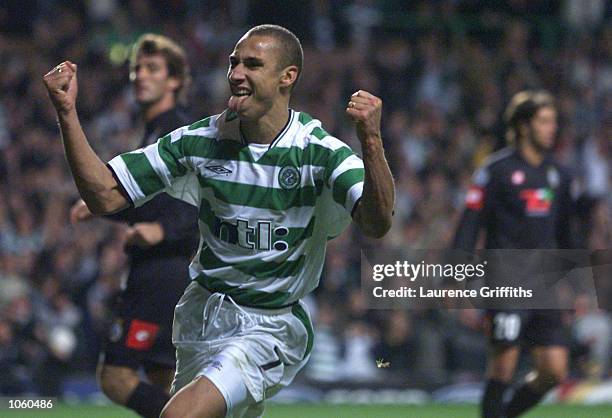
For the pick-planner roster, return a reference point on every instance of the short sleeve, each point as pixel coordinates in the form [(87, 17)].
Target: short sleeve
[(151, 170)]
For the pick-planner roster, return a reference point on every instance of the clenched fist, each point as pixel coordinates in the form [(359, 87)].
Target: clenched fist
[(365, 109), (145, 234), (79, 212), (61, 84)]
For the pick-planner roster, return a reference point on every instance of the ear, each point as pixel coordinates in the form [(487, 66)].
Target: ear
[(174, 83), (289, 76)]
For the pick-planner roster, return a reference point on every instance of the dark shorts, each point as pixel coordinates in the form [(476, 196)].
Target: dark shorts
[(529, 328), (141, 333)]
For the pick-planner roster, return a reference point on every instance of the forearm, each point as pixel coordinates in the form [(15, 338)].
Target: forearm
[(375, 209), (93, 179)]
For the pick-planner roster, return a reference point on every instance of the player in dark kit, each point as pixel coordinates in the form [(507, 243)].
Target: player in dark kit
[(160, 242), (522, 199)]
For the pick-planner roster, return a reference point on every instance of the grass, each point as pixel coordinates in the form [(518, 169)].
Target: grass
[(331, 411)]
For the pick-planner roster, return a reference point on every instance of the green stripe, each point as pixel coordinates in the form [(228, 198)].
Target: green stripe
[(206, 214), (336, 159), (345, 181), (296, 235), (313, 154), (319, 133), (140, 168), (293, 238), (304, 118), (228, 149), (209, 147), (171, 152), (255, 268), (242, 296), (262, 197), (301, 314)]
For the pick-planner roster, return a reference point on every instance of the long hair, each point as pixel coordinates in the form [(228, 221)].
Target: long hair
[(522, 108), (175, 56)]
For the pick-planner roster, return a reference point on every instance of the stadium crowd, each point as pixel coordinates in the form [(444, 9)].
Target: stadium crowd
[(445, 70)]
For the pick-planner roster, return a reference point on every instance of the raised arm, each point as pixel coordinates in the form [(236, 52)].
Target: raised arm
[(375, 208), (93, 178)]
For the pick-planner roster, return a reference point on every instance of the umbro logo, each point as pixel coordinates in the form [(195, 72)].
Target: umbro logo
[(218, 169)]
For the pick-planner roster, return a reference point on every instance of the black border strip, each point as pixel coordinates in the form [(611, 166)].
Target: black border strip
[(121, 188)]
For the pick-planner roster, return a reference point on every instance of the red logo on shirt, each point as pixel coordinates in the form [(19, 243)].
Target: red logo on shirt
[(474, 198), (537, 201), (141, 335)]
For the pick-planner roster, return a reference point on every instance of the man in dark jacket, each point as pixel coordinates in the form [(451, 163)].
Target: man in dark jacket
[(160, 242), (521, 198)]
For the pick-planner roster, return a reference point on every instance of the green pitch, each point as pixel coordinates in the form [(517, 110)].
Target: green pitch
[(332, 411)]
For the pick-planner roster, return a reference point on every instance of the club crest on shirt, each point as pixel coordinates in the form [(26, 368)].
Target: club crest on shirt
[(518, 177), (289, 177)]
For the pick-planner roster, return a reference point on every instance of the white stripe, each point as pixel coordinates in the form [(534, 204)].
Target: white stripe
[(208, 132), (233, 253), (303, 137), (353, 195), (253, 174), (295, 217), (332, 142), (127, 180), (298, 286), (234, 277), (229, 275), (178, 133), (310, 125), (160, 167), (329, 142), (288, 131), (186, 188), (349, 163)]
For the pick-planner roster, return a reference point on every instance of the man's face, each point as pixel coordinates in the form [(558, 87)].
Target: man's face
[(543, 128), (254, 76), (152, 83)]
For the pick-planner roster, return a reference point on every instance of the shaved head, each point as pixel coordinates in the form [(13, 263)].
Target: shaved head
[(289, 46)]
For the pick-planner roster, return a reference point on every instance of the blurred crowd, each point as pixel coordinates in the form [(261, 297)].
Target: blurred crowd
[(445, 69)]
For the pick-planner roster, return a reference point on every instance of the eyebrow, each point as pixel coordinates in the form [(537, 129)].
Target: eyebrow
[(253, 61), (247, 60)]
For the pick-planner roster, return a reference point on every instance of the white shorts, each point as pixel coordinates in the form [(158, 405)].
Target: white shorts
[(249, 354)]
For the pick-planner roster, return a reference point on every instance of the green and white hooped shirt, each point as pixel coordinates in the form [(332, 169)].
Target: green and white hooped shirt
[(265, 211)]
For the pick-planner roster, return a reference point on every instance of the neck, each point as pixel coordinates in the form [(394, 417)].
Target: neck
[(152, 110), (267, 128), (530, 153)]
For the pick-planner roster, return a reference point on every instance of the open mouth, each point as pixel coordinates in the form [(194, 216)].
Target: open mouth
[(241, 92), (236, 100)]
